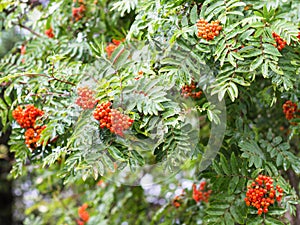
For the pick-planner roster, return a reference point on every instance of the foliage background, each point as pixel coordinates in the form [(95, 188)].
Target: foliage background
[(251, 76)]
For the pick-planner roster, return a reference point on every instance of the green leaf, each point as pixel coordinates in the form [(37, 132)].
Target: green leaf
[(236, 4), (228, 219), (265, 12), (246, 34), (233, 184), (276, 211), (217, 168), (215, 8), (258, 32), (253, 152), (241, 185), (277, 140), (255, 220), (235, 13), (194, 14), (48, 22), (115, 153), (279, 160), (225, 164), (234, 89), (7, 93), (265, 69), (270, 49), (138, 157), (221, 93), (255, 173), (214, 212), (2, 104), (232, 60), (184, 21), (273, 169), (240, 80), (273, 221), (108, 162), (220, 48), (257, 24), (234, 164), (121, 59), (159, 213), (276, 68), (256, 63), (236, 214), (250, 52)]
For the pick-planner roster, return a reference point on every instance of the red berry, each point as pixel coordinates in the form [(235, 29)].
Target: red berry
[(32, 136), (289, 109), (280, 43), (86, 98), (259, 211), (190, 91), (27, 117), (207, 30), (261, 194), (110, 48), (201, 194), (112, 119), (49, 32)]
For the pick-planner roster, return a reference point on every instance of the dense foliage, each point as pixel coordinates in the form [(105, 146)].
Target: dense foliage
[(196, 101)]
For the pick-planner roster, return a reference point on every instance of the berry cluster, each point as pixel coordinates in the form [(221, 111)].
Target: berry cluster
[(23, 52), (49, 33), (26, 117), (298, 35), (110, 48), (112, 119), (78, 13), (32, 136), (83, 214), (177, 201), (207, 30), (190, 91), (101, 183), (289, 109), (86, 99), (261, 194), (201, 194), (280, 43)]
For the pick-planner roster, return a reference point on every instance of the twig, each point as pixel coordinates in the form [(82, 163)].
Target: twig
[(27, 28), (49, 77), (61, 201), (50, 93), (294, 181), (10, 10), (121, 87)]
